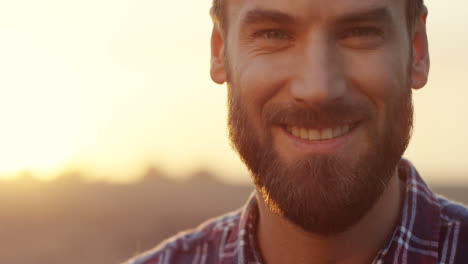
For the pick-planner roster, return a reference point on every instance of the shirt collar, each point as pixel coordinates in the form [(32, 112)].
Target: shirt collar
[(417, 233)]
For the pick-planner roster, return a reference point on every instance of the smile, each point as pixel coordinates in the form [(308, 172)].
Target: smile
[(318, 134)]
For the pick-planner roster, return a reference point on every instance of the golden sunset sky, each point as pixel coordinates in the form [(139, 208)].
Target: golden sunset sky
[(109, 87)]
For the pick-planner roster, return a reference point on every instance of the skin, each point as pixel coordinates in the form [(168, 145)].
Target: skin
[(328, 58)]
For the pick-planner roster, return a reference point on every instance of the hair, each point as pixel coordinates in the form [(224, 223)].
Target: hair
[(414, 9)]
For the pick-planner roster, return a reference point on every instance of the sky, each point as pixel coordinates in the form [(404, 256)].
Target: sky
[(112, 87)]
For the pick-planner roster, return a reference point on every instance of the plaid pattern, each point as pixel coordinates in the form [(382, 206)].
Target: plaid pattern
[(431, 230)]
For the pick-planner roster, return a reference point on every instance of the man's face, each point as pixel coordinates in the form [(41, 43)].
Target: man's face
[(319, 102)]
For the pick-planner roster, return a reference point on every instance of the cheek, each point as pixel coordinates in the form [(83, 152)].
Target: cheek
[(380, 77), (260, 78)]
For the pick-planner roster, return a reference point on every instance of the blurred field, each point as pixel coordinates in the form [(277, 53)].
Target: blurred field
[(69, 221)]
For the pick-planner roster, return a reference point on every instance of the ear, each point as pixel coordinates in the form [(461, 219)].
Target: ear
[(420, 61), (218, 72)]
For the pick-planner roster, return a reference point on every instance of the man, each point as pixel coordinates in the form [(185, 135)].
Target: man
[(320, 111)]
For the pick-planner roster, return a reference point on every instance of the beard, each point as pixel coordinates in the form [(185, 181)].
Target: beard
[(324, 194)]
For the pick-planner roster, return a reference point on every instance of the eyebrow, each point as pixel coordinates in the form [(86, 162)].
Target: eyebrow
[(379, 14), (260, 15)]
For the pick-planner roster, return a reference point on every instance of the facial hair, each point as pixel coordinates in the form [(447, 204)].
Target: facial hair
[(323, 194)]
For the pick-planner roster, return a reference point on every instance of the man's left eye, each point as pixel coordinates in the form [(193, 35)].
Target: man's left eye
[(362, 37), (363, 32)]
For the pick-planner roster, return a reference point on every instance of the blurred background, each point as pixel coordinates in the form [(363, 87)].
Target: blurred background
[(112, 134)]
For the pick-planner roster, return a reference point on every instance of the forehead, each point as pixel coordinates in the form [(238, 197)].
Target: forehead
[(313, 10)]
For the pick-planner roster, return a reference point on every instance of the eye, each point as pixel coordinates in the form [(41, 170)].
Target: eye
[(363, 32), (273, 34), (363, 37)]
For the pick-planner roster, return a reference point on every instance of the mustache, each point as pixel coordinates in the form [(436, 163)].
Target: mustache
[(323, 115)]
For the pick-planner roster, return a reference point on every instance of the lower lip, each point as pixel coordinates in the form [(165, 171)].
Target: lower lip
[(321, 146)]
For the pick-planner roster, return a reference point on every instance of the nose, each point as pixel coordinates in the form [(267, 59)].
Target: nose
[(318, 77)]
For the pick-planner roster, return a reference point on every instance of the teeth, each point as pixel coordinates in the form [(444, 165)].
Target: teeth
[(326, 133), (304, 133), (317, 134), (296, 131), (314, 134), (336, 132)]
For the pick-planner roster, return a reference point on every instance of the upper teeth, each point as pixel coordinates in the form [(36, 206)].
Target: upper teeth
[(317, 134)]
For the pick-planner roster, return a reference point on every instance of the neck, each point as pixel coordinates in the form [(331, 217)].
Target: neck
[(281, 241)]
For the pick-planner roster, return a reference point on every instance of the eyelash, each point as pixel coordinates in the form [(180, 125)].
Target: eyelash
[(352, 34), (362, 32), (268, 32)]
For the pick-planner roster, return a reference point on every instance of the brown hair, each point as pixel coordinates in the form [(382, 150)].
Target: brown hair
[(414, 9)]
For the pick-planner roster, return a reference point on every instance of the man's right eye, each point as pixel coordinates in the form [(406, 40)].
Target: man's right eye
[(273, 34)]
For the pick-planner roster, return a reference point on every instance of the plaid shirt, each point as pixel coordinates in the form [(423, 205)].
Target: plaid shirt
[(431, 230)]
